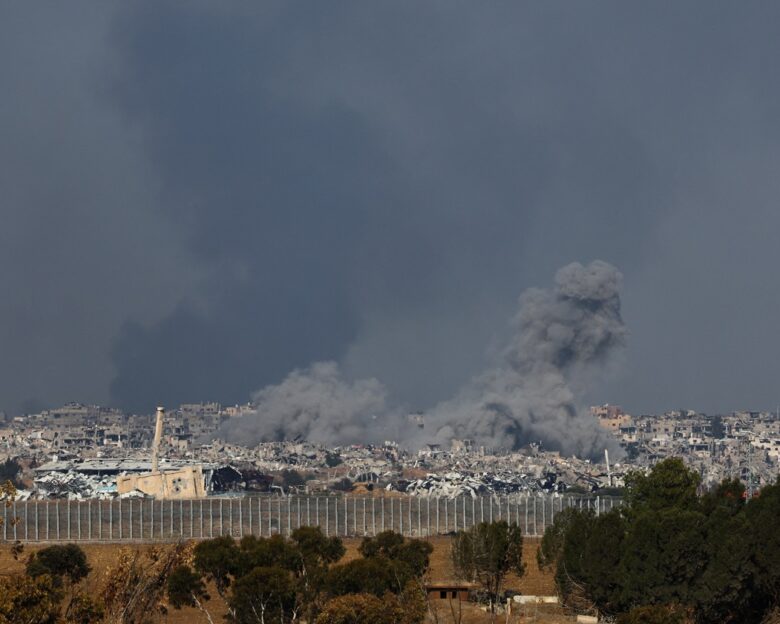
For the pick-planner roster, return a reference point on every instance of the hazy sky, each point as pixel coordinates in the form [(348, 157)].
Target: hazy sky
[(198, 197)]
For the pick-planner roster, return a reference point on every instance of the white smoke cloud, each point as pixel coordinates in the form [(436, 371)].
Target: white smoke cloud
[(561, 338)]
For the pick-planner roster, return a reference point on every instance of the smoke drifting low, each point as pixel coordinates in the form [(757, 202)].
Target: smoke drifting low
[(314, 404), (561, 339)]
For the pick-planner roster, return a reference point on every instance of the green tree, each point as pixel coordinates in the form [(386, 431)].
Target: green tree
[(669, 553), (551, 546), (375, 576), (219, 560), (486, 552), (263, 595), (266, 552), (315, 548), (314, 555), (186, 589), (762, 514), (415, 553), (663, 558), (670, 485), (60, 561)]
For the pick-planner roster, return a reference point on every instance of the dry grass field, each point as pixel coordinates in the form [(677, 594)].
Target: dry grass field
[(102, 557)]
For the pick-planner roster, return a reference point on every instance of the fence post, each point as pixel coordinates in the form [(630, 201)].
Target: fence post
[(36, 521), (437, 515), (289, 514), (382, 507), (327, 516), (373, 516), (446, 515), (428, 516), (455, 514)]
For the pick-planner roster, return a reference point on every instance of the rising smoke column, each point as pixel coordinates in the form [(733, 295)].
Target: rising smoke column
[(315, 404), (561, 339)]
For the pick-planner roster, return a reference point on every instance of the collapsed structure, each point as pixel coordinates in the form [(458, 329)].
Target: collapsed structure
[(183, 482)]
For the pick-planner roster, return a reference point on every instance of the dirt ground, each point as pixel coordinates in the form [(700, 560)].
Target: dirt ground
[(536, 582)]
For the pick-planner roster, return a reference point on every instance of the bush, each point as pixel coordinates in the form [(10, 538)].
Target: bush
[(84, 610), (68, 561), (25, 599), (357, 609)]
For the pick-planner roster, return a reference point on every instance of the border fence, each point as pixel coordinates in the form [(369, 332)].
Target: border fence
[(143, 520)]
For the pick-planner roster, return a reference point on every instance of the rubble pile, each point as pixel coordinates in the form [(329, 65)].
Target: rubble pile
[(75, 486), (456, 484)]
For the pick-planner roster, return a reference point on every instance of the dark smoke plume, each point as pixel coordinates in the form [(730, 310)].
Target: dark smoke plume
[(561, 339)]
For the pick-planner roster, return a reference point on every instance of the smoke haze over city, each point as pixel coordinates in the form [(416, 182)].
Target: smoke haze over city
[(221, 202)]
